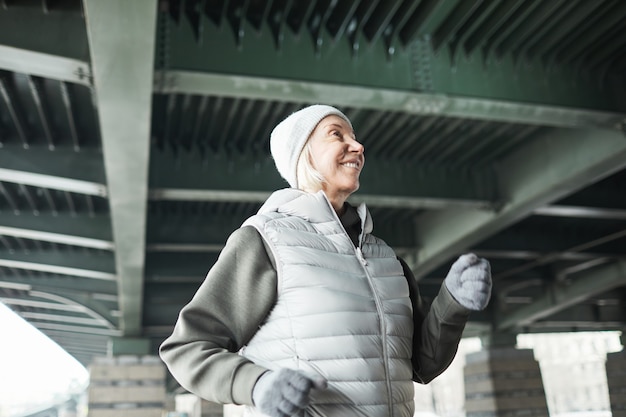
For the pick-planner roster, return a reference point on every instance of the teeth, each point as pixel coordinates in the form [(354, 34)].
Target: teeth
[(351, 164)]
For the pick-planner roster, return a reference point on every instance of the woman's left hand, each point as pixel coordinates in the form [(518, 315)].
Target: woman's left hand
[(469, 281)]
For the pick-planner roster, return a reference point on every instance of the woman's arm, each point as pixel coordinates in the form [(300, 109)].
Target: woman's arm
[(438, 329), (224, 314)]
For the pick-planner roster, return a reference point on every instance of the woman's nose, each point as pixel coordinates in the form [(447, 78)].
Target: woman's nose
[(356, 146)]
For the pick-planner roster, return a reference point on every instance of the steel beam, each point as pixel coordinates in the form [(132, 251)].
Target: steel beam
[(45, 65), (64, 239), (581, 212), (185, 82), (123, 79), (86, 165), (88, 321), (56, 262), (187, 177), (80, 230), (54, 183), (97, 289), (75, 329), (542, 172), (558, 297)]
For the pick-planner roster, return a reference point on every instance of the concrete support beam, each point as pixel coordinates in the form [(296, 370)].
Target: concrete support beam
[(544, 171), (122, 43), (559, 296)]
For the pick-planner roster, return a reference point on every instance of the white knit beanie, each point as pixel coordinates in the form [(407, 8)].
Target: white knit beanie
[(289, 137)]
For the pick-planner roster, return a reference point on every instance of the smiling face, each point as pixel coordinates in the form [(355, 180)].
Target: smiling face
[(337, 155)]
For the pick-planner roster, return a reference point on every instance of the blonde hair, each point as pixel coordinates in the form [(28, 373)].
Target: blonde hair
[(308, 178)]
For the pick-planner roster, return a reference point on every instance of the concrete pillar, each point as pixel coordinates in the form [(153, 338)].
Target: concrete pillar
[(127, 385), (209, 409), (191, 405), (502, 381), (616, 379)]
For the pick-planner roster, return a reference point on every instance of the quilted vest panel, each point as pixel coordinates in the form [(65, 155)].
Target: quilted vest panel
[(341, 312)]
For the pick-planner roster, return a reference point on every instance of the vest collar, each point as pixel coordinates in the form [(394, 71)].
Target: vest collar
[(312, 207)]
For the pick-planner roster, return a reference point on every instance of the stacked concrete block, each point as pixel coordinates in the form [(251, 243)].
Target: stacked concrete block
[(616, 379), (194, 406), (504, 382), (129, 386), (210, 409)]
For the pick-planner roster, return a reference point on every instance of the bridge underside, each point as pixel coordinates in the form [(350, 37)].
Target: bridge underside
[(134, 140)]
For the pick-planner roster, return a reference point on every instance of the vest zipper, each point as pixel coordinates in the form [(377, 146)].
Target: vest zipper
[(383, 328)]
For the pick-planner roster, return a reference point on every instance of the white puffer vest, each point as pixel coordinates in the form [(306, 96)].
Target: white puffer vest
[(341, 312)]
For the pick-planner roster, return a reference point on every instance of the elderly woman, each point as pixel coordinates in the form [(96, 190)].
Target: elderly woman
[(306, 312)]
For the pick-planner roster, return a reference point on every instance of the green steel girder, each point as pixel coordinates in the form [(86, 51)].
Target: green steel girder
[(191, 229), (218, 52), (123, 74), (448, 185), (207, 233), (461, 76), (528, 81), (85, 304), (163, 294), (66, 285), (98, 266), (529, 236), (545, 170), (65, 33), (165, 266), (86, 165), (44, 65), (165, 315), (384, 99), (560, 296), (77, 230), (601, 315)]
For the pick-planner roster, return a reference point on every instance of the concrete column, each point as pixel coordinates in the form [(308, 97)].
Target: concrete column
[(616, 379), (127, 385), (502, 381), (191, 405)]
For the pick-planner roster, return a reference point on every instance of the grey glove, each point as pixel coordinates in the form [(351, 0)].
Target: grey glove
[(284, 392), (469, 281)]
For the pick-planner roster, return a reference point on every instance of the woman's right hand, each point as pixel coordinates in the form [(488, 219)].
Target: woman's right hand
[(284, 392)]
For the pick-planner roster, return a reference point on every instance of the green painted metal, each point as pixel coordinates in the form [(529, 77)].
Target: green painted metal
[(499, 339), (451, 103), (97, 265), (220, 52), (77, 302), (542, 172), (193, 229), (97, 227), (529, 81), (129, 346), (489, 77), (65, 33), (64, 284), (44, 65), (559, 296), (123, 79), (86, 165), (421, 187)]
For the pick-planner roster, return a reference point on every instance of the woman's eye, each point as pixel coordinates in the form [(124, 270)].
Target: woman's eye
[(336, 133)]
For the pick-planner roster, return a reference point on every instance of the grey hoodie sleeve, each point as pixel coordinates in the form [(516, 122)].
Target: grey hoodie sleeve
[(224, 314), (438, 329)]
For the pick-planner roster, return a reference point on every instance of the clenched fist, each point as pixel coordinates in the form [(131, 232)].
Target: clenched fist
[(285, 392), (469, 281)]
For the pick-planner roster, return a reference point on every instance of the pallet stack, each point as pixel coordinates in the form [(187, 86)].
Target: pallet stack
[(616, 379), (129, 386), (504, 383)]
